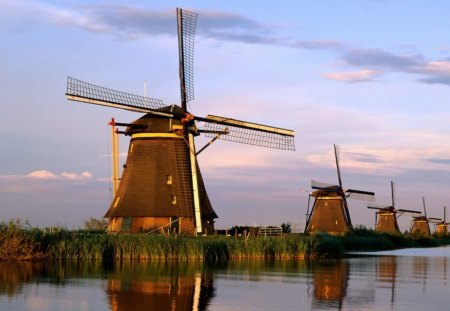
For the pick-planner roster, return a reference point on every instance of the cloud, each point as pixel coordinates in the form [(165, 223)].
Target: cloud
[(439, 160), (386, 161), (41, 180), (42, 174), (380, 61), (353, 77), (75, 176), (47, 175), (377, 58)]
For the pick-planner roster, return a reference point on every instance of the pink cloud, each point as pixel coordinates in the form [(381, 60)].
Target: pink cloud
[(41, 174), (352, 77)]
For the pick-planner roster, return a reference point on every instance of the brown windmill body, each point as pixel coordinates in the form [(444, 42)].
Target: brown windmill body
[(156, 181), (387, 221), (161, 189), (420, 226)]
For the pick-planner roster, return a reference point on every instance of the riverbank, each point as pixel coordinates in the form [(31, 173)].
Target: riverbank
[(24, 243)]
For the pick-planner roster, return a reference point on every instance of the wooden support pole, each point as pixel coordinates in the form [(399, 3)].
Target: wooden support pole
[(115, 155)]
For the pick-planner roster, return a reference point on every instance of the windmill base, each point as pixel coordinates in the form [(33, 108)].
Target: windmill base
[(162, 225)]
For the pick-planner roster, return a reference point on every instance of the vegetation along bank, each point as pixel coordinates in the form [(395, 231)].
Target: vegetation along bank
[(20, 242)]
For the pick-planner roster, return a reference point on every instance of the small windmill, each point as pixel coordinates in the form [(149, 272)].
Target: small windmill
[(442, 226), (386, 216), (421, 224), (161, 187), (330, 212)]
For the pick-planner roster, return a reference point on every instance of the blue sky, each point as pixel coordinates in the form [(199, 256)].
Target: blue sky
[(370, 76)]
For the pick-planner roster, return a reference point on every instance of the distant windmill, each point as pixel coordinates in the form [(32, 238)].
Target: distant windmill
[(442, 227), (330, 212), (386, 216), (161, 188), (421, 224)]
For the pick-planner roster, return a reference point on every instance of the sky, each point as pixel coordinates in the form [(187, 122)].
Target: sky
[(371, 76)]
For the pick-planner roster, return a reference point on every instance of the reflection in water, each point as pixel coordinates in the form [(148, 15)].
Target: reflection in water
[(387, 274), (420, 269), (409, 283), (330, 282), (13, 276), (159, 286)]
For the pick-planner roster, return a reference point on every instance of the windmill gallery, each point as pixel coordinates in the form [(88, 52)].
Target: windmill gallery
[(162, 186)]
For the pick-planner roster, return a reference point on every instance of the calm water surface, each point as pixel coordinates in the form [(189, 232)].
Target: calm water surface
[(410, 279)]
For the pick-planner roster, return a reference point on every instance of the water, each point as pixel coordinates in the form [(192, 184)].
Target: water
[(410, 279)]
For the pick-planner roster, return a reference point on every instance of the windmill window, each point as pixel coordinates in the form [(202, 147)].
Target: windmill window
[(174, 199), (126, 223), (169, 179)]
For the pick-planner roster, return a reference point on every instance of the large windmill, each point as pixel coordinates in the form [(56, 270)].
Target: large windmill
[(386, 216), (161, 187), (442, 226), (330, 212), (421, 224)]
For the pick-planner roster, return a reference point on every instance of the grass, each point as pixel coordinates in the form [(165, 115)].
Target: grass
[(21, 242)]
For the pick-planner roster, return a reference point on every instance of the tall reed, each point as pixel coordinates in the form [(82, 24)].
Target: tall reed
[(21, 242)]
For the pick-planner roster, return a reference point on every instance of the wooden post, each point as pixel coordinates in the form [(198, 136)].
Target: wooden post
[(115, 155)]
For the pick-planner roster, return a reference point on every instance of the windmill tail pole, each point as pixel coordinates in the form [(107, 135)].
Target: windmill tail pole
[(195, 190), (115, 155)]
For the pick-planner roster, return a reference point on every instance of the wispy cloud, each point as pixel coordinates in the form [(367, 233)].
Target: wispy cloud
[(43, 180), (131, 22), (353, 77), (48, 175), (385, 162)]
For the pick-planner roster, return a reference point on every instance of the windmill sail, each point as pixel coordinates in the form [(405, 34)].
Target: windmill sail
[(322, 186), (336, 154), (186, 34), (248, 133), (85, 92)]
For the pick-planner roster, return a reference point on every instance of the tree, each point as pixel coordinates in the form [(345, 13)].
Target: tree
[(95, 224), (286, 227)]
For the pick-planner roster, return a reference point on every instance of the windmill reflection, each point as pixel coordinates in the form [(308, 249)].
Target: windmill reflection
[(420, 270), (159, 286), (387, 274), (330, 279)]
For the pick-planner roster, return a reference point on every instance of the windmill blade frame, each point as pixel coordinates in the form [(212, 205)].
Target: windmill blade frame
[(248, 133), (86, 92), (434, 219), (409, 211), (186, 24), (360, 195), (336, 155), (378, 206), (324, 186), (393, 193)]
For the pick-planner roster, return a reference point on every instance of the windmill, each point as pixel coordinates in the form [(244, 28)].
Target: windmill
[(421, 224), (161, 187), (442, 226), (330, 212), (386, 216)]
